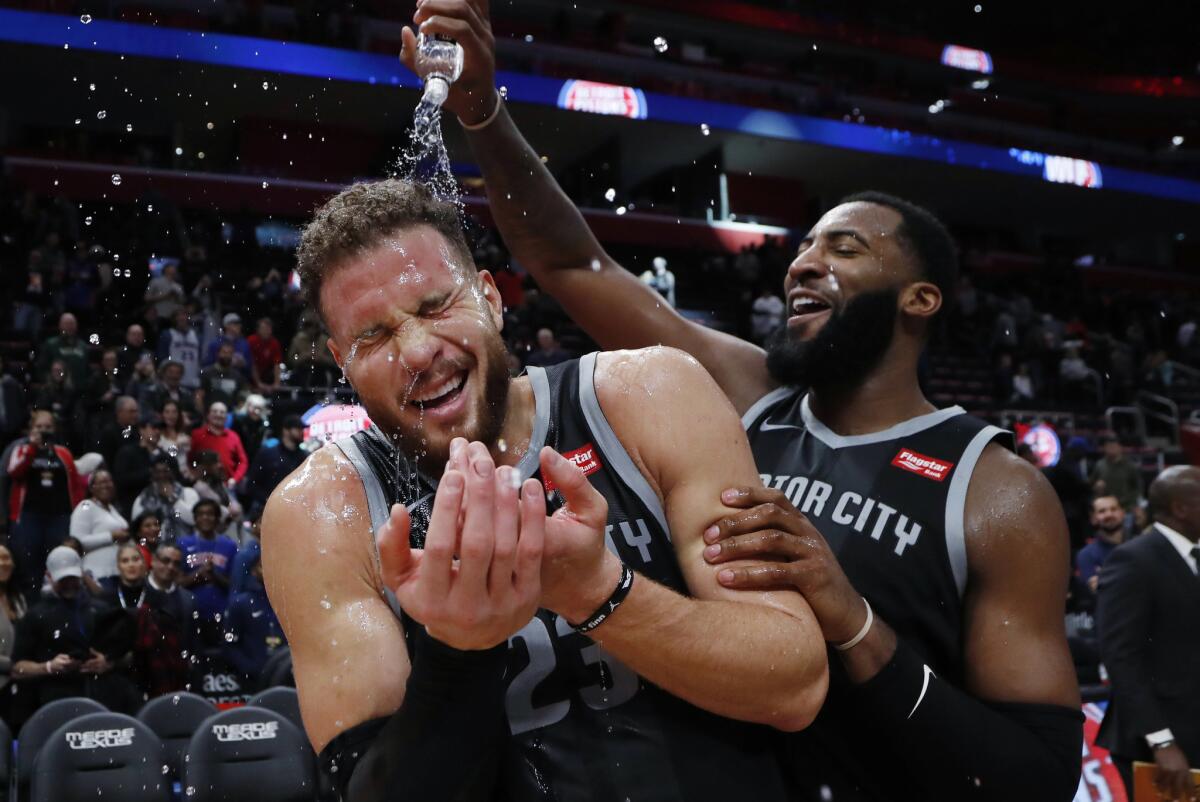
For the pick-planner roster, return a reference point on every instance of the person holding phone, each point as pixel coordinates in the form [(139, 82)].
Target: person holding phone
[(45, 488)]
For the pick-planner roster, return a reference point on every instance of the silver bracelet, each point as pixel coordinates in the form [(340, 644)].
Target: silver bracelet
[(862, 633), (489, 120)]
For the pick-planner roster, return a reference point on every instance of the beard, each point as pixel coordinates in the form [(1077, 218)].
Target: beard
[(845, 350), (490, 410)]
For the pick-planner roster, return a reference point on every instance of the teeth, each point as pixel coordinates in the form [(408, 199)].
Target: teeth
[(451, 384), (802, 306)]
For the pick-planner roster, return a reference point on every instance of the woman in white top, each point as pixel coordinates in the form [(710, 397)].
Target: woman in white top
[(175, 439), (12, 607), (98, 525)]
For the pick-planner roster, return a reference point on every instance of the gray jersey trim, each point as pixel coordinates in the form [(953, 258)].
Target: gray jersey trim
[(376, 502), (761, 405), (530, 463), (618, 458), (901, 429), (956, 504)]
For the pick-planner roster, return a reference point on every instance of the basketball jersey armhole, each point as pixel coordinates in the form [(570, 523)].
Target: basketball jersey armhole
[(377, 504), (609, 445), (956, 503)]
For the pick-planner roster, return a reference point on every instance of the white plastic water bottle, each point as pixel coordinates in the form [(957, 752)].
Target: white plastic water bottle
[(439, 62)]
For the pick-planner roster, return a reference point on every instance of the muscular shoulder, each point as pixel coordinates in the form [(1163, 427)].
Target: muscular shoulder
[(317, 519), (1011, 511), (656, 382)]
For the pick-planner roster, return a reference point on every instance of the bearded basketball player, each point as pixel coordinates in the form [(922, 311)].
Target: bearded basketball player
[(940, 564), (624, 671)]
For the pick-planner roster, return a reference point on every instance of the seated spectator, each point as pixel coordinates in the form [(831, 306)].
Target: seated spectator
[(170, 388), (231, 334), (308, 355), (133, 351), (12, 607), (120, 430), (60, 396), (272, 465), (548, 352), (252, 632), (180, 345), (1108, 521), (212, 483), (175, 440), (131, 470), (67, 348), (142, 380), (167, 499), (146, 531), (251, 423), (103, 389), (12, 405), (167, 632), (208, 558), (1119, 476), (127, 589), (99, 526), (45, 488), (213, 436), (55, 653), (1022, 385), (267, 356), (221, 381)]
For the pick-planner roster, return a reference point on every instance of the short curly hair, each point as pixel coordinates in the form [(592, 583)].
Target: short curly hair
[(362, 216)]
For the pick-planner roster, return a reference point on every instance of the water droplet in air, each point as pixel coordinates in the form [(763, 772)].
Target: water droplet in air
[(660, 44), (266, 184), (87, 221), (704, 129), (95, 338), (78, 121), (91, 87), (504, 92), (116, 271), (129, 128), (116, 179), (127, 273), (596, 265), (621, 210), (126, 432), (610, 194), (266, 85), (100, 115), (86, 19)]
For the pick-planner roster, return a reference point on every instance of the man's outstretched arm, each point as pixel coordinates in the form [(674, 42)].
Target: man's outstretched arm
[(550, 238), (754, 657)]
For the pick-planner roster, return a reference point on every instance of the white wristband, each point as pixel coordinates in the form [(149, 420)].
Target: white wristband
[(862, 633), (489, 120)]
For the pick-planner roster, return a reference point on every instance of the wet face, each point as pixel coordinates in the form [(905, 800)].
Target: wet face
[(165, 568), (417, 333), (1107, 514), (850, 283), (6, 564), (131, 566)]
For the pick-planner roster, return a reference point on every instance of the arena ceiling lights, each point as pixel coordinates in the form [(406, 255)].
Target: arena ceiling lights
[(268, 56)]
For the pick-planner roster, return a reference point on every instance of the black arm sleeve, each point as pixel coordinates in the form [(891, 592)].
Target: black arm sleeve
[(443, 743), (958, 747)]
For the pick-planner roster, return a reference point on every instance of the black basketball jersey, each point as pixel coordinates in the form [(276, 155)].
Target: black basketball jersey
[(585, 727), (891, 506)]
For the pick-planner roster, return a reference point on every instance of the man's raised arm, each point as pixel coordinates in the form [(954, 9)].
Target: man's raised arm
[(548, 235)]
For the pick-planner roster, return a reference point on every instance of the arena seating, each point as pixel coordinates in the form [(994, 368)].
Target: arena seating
[(36, 732), (101, 756), (233, 750), (284, 701), (175, 719)]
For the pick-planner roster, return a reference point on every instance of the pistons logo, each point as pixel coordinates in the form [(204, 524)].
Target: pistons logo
[(922, 465), (584, 458)]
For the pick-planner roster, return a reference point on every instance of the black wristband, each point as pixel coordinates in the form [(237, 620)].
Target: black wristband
[(614, 601)]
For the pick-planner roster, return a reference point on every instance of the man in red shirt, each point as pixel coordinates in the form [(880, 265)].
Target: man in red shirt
[(213, 436), (267, 356)]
